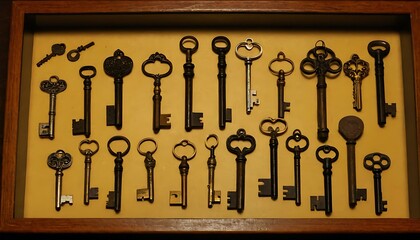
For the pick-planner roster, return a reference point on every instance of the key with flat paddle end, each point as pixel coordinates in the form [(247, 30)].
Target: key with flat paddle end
[(356, 69), (213, 196), (60, 161), (150, 163), (89, 193), (57, 49)]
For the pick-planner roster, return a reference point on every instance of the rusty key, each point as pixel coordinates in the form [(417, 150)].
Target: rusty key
[(150, 163)]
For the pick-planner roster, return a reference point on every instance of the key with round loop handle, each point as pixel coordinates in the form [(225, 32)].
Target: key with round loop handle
[(74, 55), (57, 49), (89, 193), (213, 196), (148, 193), (356, 69), (60, 161)]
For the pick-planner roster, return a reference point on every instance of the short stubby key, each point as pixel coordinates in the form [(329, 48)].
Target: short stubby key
[(74, 55), (213, 196), (57, 49), (88, 192), (356, 69), (59, 161), (147, 194)]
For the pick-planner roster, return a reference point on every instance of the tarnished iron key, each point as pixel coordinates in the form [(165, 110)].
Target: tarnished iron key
[(236, 200), (377, 162), (273, 127), (57, 49), (159, 120), (293, 192), (356, 69), (89, 193), (213, 196), (74, 55), (114, 197), (52, 86), (251, 95), (322, 62), (379, 49), (117, 66), (82, 126), (148, 193), (351, 129), (60, 161), (192, 119)]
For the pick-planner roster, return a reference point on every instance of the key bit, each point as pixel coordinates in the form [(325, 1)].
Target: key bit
[(57, 49), (59, 161), (150, 163)]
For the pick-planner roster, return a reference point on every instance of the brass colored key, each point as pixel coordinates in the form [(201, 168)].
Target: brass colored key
[(150, 163), (356, 69)]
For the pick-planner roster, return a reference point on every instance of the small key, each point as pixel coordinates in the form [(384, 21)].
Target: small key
[(377, 162), (57, 49), (351, 128), (148, 193), (356, 69), (52, 86), (89, 193), (213, 196), (60, 161), (251, 95), (74, 55)]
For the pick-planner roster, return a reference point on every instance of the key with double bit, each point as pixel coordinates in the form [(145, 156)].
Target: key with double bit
[(117, 66), (148, 193), (60, 161), (356, 69), (53, 86), (82, 126), (251, 95), (322, 62), (159, 120), (377, 162), (74, 55), (57, 49), (236, 200), (114, 197), (88, 192), (351, 129), (213, 196), (273, 127)]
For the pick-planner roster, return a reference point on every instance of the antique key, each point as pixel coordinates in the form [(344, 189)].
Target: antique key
[(114, 197), (52, 86), (89, 193), (293, 192), (60, 161), (356, 69), (236, 200), (322, 62), (325, 202), (117, 66), (150, 163), (192, 119), (159, 120), (57, 49), (74, 55), (281, 74), (213, 196), (377, 162), (251, 95), (179, 198), (83, 125), (379, 50), (221, 46), (351, 128), (269, 187)]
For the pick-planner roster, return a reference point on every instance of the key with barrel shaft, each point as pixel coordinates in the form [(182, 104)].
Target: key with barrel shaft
[(59, 161), (356, 69), (148, 193), (88, 192), (57, 49), (213, 196)]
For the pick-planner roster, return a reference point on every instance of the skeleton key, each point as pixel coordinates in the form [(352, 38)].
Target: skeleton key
[(74, 55), (379, 50), (60, 161), (89, 193), (351, 128), (52, 86), (179, 198), (83, 125), (192, 119), (281, 74), (117, 66), (321, 61), (150, 163), (236, 200), (325, 202), (251, 95), (269, 187), (377, 162), (213, 196), (159, 120), (221, 46), (356, 69), (57, 49), (114, 197), (293, 192)]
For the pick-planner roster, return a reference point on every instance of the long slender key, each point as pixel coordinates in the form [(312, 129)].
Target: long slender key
[(52, 86), (251, 95), (74, 55), (192, 119), (117, 66), (82, 126), (293, 192), (273, 127), (379, 49), (351, 129), (114, 197), (159, 120), (57, 49), (377, 162), (221, 46), (150, 163), (322, 62), (213, 196), (89, 193), (236, 200), (356, 69), (60, 161)]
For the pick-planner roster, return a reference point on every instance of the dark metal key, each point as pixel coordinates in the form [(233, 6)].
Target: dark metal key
[(148, 193), (213, 196), (59, 161), (56, 50), (89, 193), (74, 55)]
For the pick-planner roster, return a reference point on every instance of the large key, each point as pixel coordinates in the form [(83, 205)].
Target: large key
[(351, 129), (213, 196), (148, 193), (56, 50), (88, 192), (117, 66), (356, 69), (159, 120), (83, 125), (52, 86), (322, 62), (236, 200), (59, 161)]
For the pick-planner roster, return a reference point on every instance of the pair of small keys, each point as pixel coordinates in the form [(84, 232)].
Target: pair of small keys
[(59, 49)]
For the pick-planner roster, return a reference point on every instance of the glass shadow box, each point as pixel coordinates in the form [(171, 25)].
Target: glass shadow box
[(287, 32)]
